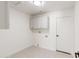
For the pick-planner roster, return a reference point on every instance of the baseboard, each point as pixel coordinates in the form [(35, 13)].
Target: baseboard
[(46, 48), (18, 51), (72, 53), (64, 52)]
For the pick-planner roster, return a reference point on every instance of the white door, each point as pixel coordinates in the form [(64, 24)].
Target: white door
[(65, 33)]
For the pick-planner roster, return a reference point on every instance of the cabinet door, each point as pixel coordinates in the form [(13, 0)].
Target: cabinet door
[(3, 15), (35, 22), (44, 22), (39, 22)]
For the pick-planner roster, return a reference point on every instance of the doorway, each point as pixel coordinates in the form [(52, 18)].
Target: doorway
[(65, 34)]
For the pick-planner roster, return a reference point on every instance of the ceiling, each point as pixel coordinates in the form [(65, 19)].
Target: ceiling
[(27, 7)]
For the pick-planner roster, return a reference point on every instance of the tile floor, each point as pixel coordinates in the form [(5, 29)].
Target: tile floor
[(36, 52)]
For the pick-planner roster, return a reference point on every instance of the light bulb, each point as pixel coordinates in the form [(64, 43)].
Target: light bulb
[(37, 3)]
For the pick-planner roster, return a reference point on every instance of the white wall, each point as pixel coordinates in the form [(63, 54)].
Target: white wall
[(77, 26), (76, 20), (50, 42), (18, 36)]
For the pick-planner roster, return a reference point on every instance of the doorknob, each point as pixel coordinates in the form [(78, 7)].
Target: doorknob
[(57, 35)]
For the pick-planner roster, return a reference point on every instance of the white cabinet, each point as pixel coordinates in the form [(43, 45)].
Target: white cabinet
[(39, 22), (3, 15)]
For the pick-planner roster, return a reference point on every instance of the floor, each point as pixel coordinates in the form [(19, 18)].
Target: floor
[(36, 52)]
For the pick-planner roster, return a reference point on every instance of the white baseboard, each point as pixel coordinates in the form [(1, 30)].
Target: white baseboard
[(18, 51)]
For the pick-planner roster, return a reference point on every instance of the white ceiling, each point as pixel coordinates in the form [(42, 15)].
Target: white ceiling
[(27, 7)]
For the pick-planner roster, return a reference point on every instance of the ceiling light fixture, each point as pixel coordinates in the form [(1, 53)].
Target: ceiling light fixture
[(38, 3)]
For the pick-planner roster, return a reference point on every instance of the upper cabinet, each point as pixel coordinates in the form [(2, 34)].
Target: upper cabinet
[(4, 15), (39, 22)]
